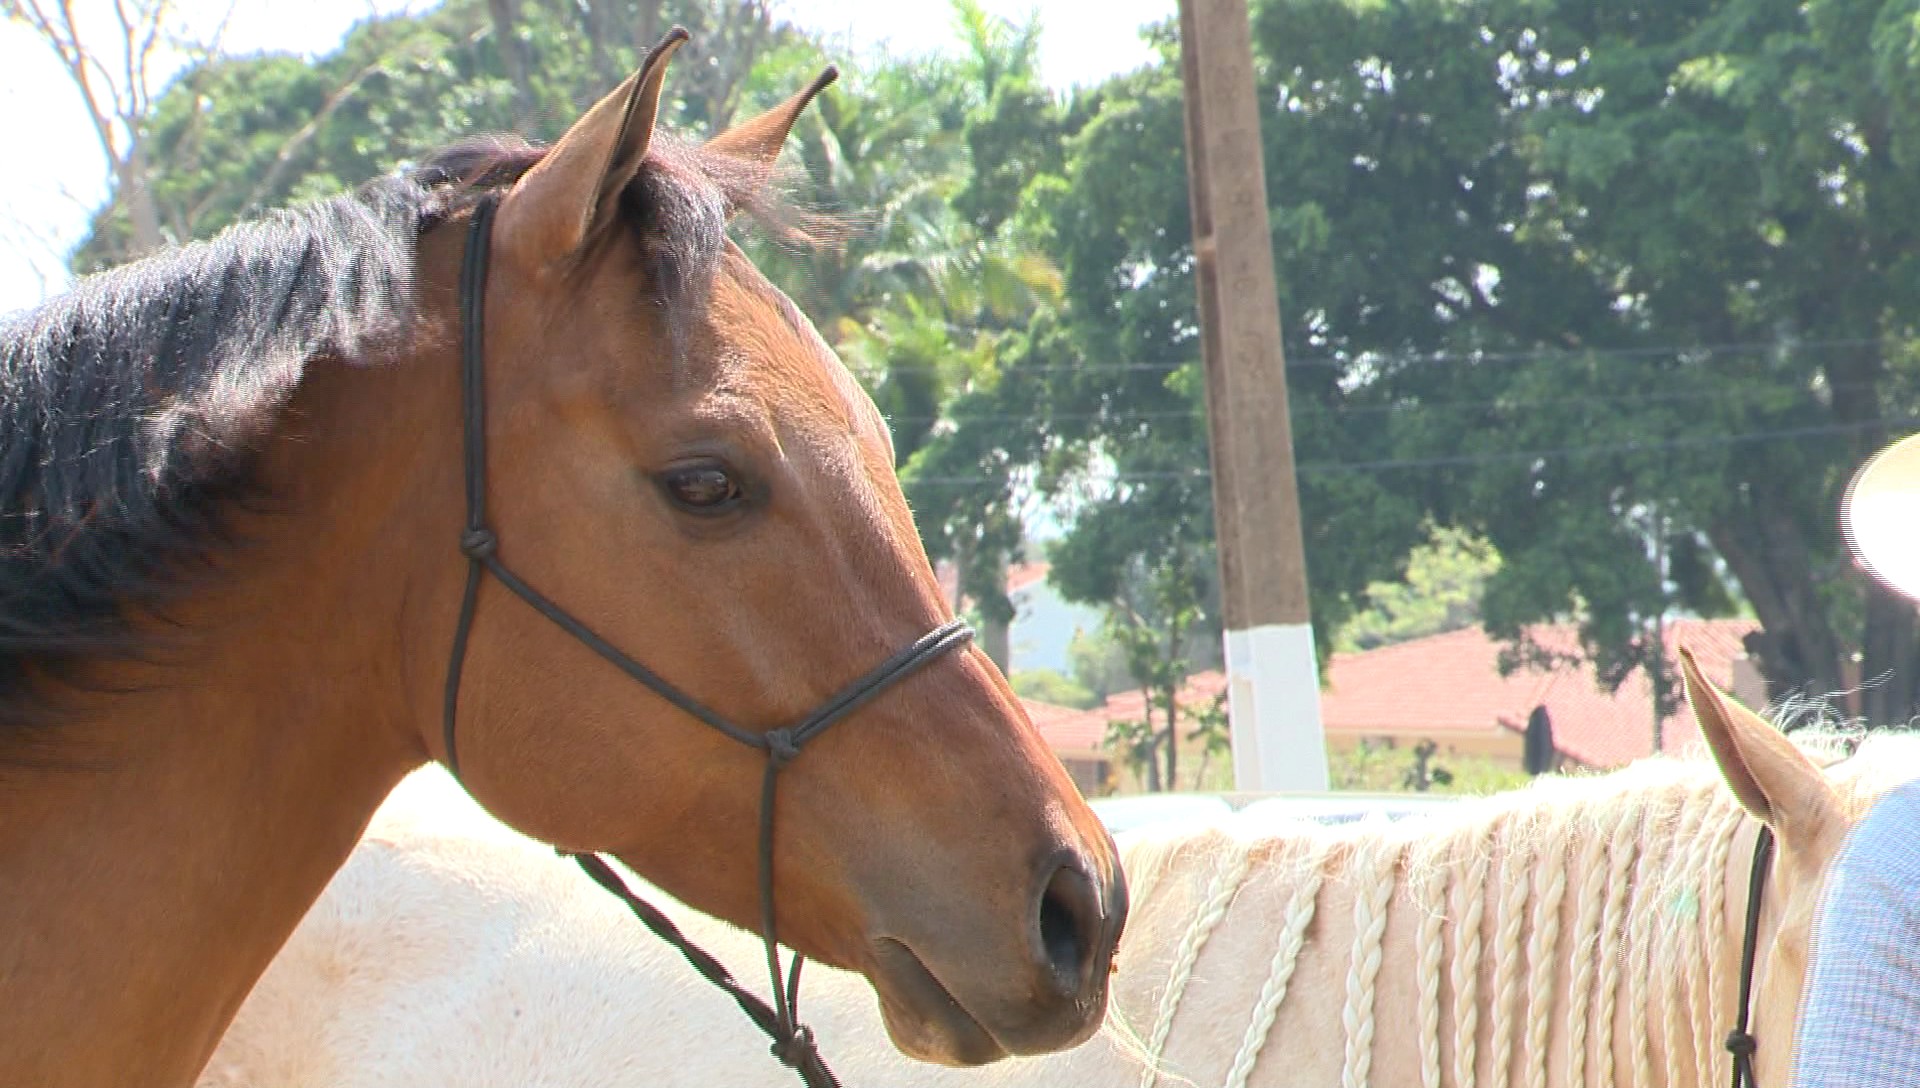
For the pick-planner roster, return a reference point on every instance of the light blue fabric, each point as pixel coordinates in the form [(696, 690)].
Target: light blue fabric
[(1860, 1024)]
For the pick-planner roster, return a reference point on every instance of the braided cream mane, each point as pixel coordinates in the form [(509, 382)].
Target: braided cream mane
[(1551, 929)]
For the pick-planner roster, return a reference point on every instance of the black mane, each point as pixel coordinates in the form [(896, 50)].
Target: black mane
[(131, 407)]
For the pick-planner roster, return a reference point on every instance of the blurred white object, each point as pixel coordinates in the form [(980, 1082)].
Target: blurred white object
[(1122, 814), (1881, 516)]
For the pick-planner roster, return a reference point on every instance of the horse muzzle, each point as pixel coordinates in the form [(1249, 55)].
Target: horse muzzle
[(1053, 999)]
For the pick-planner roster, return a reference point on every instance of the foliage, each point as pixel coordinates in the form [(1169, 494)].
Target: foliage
[(1441, 592), (1136, 743), (1048, 686), (1211, 736), (1626, 222), (1200, 767), (1623, 290), (1380, 768), (233, 136), (1152, 620), (1099, 664)]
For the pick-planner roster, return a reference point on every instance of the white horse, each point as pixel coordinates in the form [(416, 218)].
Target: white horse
[(1582, 931)]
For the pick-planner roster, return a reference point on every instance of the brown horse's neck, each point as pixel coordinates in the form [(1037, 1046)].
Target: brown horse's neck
[(202, 801), (141, 901)]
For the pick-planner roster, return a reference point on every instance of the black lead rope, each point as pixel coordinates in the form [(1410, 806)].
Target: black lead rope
[(793, 1042), (1740, 1043)]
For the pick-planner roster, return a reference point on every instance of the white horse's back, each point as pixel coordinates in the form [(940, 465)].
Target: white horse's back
[(451, 951)]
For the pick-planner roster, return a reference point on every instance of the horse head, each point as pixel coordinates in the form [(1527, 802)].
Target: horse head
[(680, 461)]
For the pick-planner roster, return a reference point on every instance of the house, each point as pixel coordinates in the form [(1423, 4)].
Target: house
[(1079, 738), (1448, 689)]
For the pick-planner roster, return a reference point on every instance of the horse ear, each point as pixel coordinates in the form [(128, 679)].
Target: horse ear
[(1771, 778), (758, 142), (561, 203)]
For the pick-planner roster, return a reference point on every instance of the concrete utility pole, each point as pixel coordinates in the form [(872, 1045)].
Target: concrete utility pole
[(1272, 678)]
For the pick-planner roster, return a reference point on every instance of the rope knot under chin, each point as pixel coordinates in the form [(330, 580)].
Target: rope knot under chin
[(478, 543), (781, 746), (1740, 1044), (797, 1050)]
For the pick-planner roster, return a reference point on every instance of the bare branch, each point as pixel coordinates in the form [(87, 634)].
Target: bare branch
[(114, 90), (140, 74), (126, 96), (65, 40), (40, 247), (215, 44)]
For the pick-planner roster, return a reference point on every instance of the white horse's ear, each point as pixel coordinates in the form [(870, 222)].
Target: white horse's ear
[(1771, 778)]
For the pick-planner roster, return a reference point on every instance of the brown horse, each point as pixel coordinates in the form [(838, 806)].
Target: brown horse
[(232, 488)]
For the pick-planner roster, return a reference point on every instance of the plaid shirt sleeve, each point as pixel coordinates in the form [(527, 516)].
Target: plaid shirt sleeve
[(1860, 1019)]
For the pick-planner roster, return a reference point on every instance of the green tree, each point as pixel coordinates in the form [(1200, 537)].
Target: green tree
[(1098, 663), (234, 136), (1441, 591), (1111, 385), (1673, 278), (1605, 285), (965, 466), (1048, 686), (1152, 617)]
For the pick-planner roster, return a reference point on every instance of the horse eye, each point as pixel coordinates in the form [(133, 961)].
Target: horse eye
[(702, 489)]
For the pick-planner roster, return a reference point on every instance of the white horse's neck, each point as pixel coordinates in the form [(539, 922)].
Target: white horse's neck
[(1584, 931), (1520, 941)]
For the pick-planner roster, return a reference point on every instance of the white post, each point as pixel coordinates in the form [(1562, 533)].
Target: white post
[(1273, 692), (1273, 697)]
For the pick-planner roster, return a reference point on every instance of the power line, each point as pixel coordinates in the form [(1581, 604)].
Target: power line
[(1315, 468), (1665, 445), (1730, 350), (1732, 396), (1707, 352)]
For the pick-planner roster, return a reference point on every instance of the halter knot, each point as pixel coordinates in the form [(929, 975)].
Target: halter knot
[(478, 543), (782, 746), (1740, 1044), (797, 1050)]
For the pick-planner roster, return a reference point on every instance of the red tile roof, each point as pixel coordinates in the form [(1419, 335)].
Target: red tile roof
[(1451, 683), (1069, 732), (1201, 689)]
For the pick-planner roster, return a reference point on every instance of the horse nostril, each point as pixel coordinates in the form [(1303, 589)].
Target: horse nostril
[(1070, 921)]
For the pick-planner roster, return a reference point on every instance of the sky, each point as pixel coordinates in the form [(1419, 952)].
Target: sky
[(44, 208)]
